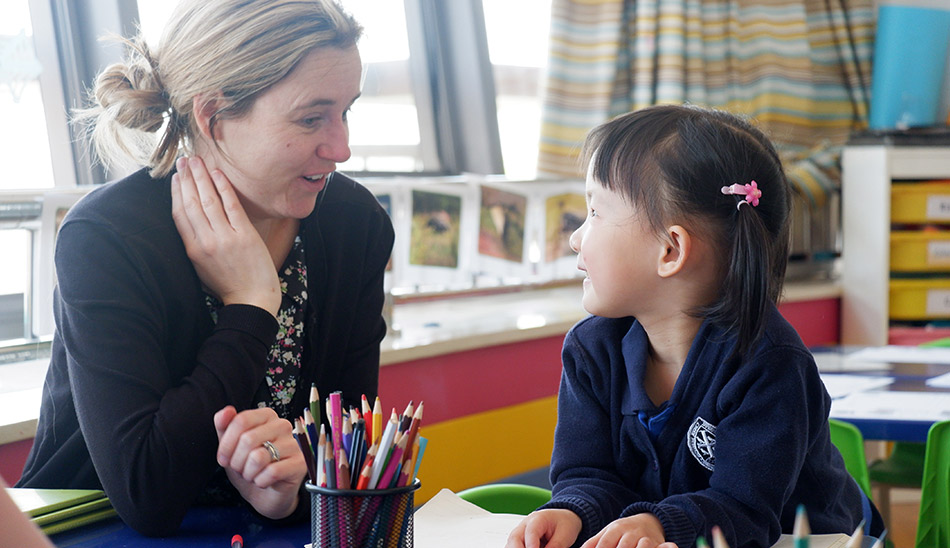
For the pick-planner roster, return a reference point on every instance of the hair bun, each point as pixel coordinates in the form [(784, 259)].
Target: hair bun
[(134, 92)]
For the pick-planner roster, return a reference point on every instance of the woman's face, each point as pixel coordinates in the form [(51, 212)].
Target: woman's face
[(278, 155)]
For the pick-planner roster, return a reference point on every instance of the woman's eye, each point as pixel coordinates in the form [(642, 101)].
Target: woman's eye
[(310, 121)]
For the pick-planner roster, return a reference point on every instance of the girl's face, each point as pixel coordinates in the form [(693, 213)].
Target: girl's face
[(279, 154), (618, 252)]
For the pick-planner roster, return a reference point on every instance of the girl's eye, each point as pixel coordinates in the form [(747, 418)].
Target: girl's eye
[(346, 114), (592, 213)]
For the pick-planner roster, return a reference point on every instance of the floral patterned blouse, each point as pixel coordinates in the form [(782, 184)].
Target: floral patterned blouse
[(284, 358)]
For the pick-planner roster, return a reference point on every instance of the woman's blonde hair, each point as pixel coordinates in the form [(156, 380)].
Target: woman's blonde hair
[(141, 108)]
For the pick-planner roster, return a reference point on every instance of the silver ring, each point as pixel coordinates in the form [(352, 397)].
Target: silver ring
[(272, 449)]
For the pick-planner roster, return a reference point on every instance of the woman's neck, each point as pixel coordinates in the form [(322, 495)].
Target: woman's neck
[(278, 236)]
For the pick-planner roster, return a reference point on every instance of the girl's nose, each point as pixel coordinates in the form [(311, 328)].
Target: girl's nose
[(575, 239)]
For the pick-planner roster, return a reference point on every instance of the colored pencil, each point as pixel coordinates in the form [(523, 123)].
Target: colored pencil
[(336, 428), (801, 530), (368, 418), (394, 461), (857, 538), (718, 538), (319, 460), (377, 421), (414, 428), (315, 403), (367, 468), (343, 464), (300, 434)]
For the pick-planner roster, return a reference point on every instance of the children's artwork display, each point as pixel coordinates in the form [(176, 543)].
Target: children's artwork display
[(470, 232), (501, 224), (564, 213), (436, 229)]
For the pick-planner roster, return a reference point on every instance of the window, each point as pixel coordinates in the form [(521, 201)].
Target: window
[(518, 48), (385, 133), (24, 141), (449, 87)]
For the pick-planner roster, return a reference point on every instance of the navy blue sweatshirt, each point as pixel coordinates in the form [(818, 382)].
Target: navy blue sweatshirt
[(740, 444)]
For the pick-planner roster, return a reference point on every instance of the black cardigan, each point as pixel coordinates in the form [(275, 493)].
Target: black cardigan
[(138, 368)]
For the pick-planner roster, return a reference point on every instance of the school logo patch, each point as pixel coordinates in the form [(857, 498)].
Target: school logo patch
[(701, 440)]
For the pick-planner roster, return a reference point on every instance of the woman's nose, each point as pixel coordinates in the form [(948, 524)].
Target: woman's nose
[(336, 146)]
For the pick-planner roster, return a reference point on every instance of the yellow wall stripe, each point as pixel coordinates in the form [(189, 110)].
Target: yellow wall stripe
[(486, 447)]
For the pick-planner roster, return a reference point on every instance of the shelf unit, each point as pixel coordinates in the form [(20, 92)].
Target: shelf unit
[(868, 171)]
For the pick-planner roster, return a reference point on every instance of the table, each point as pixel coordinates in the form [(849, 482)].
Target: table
[(203, 527), (903, 410)]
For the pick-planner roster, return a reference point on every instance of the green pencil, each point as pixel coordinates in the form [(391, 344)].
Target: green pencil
[(315, 403)]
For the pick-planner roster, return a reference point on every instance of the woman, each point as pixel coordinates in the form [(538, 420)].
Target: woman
[(199, 298)]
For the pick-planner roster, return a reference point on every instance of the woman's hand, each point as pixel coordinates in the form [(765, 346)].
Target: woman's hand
[(270, 486), (637, 531), (227, 251), (553, 528)]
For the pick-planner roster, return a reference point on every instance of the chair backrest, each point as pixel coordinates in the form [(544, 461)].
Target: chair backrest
[(507, 498), (933, 521), (850, 443)]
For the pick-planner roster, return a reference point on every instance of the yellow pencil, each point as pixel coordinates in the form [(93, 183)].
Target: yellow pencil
[(377, 421)]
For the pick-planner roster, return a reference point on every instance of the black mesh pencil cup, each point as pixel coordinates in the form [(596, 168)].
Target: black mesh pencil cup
[(365, 518)]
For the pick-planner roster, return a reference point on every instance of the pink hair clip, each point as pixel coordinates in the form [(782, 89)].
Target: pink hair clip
[(750, 191)]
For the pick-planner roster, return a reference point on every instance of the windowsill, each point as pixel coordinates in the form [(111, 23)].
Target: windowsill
[(464, 323)]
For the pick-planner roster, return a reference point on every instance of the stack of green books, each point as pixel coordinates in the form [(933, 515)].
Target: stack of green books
[(57, 510)]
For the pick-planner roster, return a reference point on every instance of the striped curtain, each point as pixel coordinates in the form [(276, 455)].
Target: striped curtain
[(800, 68)]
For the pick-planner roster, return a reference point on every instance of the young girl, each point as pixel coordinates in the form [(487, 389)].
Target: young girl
[(686, 400)]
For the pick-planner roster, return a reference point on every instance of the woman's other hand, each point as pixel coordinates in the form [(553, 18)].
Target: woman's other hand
[(226, 250), (552, 528), (270, 486)]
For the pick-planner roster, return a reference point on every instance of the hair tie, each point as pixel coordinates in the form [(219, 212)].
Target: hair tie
[(750, 191)]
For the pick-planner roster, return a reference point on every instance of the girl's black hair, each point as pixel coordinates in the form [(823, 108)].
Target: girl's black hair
[(671, 162)]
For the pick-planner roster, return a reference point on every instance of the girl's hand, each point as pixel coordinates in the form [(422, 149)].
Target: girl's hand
[(553, 528), (637, 531), (270, 486), (227, 251)]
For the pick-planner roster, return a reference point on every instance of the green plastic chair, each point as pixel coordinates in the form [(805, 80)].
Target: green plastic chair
[(507, 498), (850, 443), (933, 520), (904, 466)]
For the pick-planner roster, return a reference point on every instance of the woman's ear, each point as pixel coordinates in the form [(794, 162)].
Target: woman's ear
[(203, 108), (678, 245)]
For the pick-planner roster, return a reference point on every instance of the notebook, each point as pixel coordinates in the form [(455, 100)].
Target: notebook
[(56, 510)]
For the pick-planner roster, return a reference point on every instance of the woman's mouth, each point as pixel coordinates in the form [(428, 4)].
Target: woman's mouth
[(316, 182)]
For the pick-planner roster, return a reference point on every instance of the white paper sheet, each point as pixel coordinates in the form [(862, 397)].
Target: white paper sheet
[(447, 520), (838, 362), (840, 385), (941, 381), (910, 406), (901, 354)]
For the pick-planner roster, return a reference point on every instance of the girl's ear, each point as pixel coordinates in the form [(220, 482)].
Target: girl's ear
[(203, 107), (676, 250)]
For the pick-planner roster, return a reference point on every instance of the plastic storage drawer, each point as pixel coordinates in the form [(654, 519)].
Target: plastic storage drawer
[(920, 251), (920, 299), (924, 202)]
